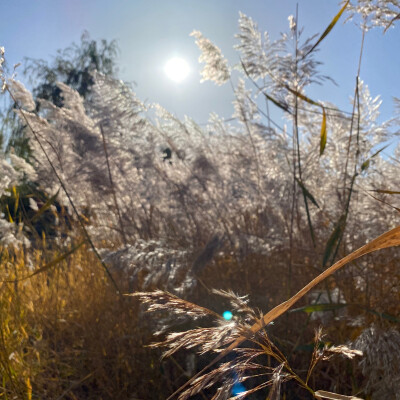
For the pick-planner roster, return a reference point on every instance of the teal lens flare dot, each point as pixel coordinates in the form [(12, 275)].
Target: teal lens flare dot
[(238, 388), (227, 315)]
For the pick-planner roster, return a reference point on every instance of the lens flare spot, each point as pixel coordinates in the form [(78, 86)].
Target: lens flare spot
[(238, 388), (227, 315)]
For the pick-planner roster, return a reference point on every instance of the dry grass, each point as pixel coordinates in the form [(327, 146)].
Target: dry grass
[(246, 211), (65, 333)]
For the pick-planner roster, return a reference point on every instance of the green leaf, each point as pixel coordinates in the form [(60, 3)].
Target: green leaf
[(306, 192), (329, 28), (323, 133), (10, 218), (16, 197), (382, 315), (323, 124), (282, 106), (277, 103), (46, 206), (303, 96), (365, 164), (333, 239), (319, 307)]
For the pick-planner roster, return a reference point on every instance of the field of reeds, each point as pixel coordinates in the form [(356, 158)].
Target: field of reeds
[(147, 257)]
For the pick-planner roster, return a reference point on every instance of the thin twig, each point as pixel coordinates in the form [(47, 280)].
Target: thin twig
[(113, 187)]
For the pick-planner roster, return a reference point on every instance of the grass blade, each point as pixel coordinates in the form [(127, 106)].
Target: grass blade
[(323, 124), (324, 135), (45, 207), (385, 202), (365, 164), (322, 394), (277, 103), (319, 307), (16, 197), (48, 266), (385, 191), (333, 239), (306, 192), (329, 28), (303, 97)]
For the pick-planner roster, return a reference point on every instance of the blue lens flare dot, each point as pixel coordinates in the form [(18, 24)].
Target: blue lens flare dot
[(238, 388), (227, 315)]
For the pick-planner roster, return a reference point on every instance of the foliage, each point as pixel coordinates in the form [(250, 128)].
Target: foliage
[(73, 66)]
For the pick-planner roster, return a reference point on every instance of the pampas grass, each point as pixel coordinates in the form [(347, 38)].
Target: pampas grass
[(242, 216)]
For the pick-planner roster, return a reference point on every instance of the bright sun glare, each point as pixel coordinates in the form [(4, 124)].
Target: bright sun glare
[(177, 69)]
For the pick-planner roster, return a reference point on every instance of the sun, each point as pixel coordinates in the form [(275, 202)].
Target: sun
[(177, 69)]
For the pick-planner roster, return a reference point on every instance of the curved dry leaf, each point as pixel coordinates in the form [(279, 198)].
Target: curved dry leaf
[(322, 394)]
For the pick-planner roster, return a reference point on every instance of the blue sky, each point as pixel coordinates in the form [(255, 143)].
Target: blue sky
[(149, 32)]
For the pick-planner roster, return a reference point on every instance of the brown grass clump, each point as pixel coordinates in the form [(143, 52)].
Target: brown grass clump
[(66, 334)]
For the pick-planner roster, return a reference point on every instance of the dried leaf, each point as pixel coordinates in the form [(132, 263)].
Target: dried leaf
[(46, 206), (329, 28), (323, 124), (303, 97), (16, 197), (324, 134), (322, 394), (385, 191), (366, 163)]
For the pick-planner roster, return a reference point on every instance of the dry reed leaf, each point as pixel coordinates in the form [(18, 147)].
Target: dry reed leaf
[(45, 207), (330, 27), (323, 133), (385, 191), (367, 162), (388, 239), (321, 394)]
